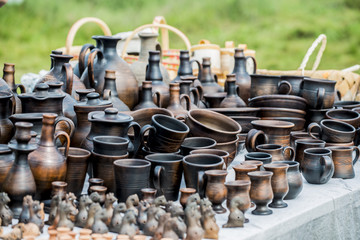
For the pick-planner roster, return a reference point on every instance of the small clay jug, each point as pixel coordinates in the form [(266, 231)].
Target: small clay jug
[(148, 194), (6, 126), (241, 171), (318, 166), (55, 164), (6, 162), (192, 92), (4, 87), (294, 177), (279, 184), (82, 109), (146, 97), (110, 88), (195, 91), (333, 131), (261, 192), (185, 66), (207, 79), (278, 152), (215, 189), (232, 99), (302, 144), (185, 193), (243, 79), (20, 181), (174, 102), (344, 161), (239, 188), (9, 77)]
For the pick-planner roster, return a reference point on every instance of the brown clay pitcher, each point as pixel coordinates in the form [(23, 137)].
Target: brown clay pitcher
[(9, 77), (6, 126), (146, 97), (232, 99), (174, 104), (111, 93), (344, 161), (207, 79)]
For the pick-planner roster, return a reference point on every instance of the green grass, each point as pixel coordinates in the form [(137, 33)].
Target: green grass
[(279, 30)]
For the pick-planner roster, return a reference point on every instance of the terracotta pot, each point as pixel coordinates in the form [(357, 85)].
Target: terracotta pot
[(239, 188), (111, 93), (295, 82), (261, 192), (9, 77), (259, 156), (268, 85), (20, 181), (174, 102), (6, 162), (344, 115), (279, 184), (242, 170), (148, 194), (55, 164), (216, 191), (333, 131), (232, 99), (319, 93), (185, 194), (6, 126), (146, 98), (207, 79), (302, 144), (279, 101), (318, 166), (194, 143), (213, 100), (277, 152), (294, 179), (344, 161)]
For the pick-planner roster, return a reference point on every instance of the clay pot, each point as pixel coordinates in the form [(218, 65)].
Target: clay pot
[(216, 191), (55, 164), (318, 166), (319, 93), (207, 79), (174, 102), (232, 99), (77, 163), (192, 92), (344, 115), (221, 153), (269, 112), (294, 178), (245, 111), (277, 152), (333, 131), (185, 65), (194, 143), (185, 194), (9, 77), (146, 98), (110, 145), (101, 190), (261, 192), (302, 144), (131, 175), (244, 122), (148, 194), (315, 115), (239, 188), (259, 156), (232, 147), (268, 85), (107, 59), (279, 101), (347, 104), (298, 135), (298, 122), (256, 163), (242, 170), (295, 82), (166, 173), (20, 181), (344, 161), (279, 184), (349, 144), (110, 91), (6, 126), (213, 100), (6, 162)]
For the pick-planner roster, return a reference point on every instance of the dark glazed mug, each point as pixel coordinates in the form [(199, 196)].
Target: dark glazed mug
[(194, 143), (333, 131), (110, 145), (259, 156), (344, 161), (318, 166), (268, 85), (319, 93), (278, 152), (302, 144)]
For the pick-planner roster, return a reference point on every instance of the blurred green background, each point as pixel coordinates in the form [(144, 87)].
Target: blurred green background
[(279, 30)]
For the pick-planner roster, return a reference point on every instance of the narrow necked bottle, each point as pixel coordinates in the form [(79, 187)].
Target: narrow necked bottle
[(207, 79), (232, 99), (9, 77), (110, 88), (185, 66), (146, 100)]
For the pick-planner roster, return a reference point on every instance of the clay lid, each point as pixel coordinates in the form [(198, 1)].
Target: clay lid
[(93, 99), (111, 115), (41, 92)]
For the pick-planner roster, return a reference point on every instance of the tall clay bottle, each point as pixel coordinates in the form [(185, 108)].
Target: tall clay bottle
[(9, 77), (146, 99), (110, 87), (186, 89), (243, 79), (46, 162), (6, 126), (175, 105), (232, 99), (185, 66), (20, 181), (207, 79), (154, 75)]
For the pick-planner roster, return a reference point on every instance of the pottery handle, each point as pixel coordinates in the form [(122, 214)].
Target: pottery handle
[(320, 98), (65, 124), (187, 100), (310, 127), (136, 141), (157, 94), (144, 129), (69, 78), (157, 178), (254, 61), (328, 166), (82, 56), (95, 52), (291, 151), (197, 63), (357, 154), (196, 95), (251, 140), (21, 86), (64, 134), (201, 183), (201, 91), (287, 84), (106, 94)]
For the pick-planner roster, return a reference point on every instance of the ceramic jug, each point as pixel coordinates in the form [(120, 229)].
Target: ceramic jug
[(9, 77), (146, 99), (208, 81), (232, 99), (185, 66), (111, 93), (6, 126), (175, 105)]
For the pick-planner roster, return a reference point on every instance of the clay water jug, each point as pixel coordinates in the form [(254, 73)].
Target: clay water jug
[(6, 162), (6, 126), (207, 79), (191, 92), (146, 99), (175, 105), (9, 77), (46, 162), (110, 88), (185, 66), (4, 87), (232, 99), (107, 59)]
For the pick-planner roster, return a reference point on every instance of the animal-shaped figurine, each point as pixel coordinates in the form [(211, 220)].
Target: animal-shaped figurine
[(6, 214), (177, 212), (142, 216), (35, 215), (132, 202), (160, 229), (95, 197), (205, 204), (54, 204), (84, 205), (209, 224), (94, 207), (100, 219), (25, 212), (117, 217), (109, 201), (70, 197), (28, 230), (42, 211), (128, 225), (170, 229), (67, 212), (236, 217), (160, 201), (152, 220), (193, 198), (15, 234), (192, 218)]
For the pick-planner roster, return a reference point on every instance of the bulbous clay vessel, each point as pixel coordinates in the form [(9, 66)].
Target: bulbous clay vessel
[(146, 98), (232, 99), (215, 189), (9, 77), (175, 105), (6, 126), (47, 159), (208, 81), (110, 88), (279, 184)]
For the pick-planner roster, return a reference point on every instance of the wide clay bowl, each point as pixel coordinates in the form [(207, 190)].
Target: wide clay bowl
[(279, 101), (244, 111), (206, 123), (299, 122), (281, 112), (245, 122), (347, 104), (344, 115), (273, 127)]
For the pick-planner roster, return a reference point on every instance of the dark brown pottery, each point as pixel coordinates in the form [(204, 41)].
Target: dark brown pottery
[(319, 93), (217, 152), (166, 173), (349, 144), (277, 152), (6, 126), (213, 100), (20, 181), (268, 85), (6, 162), (145, 151), (315, 115), (298, 135), (281, 112), (146, 97), (259, 156), (55, 163), (232, 99), (101, 190), (185, 193), (107, 59), (256, 163), (294, 179), (318, 166), (110, 145), (245, 111), (4, 87), (9, 77), (110, 92), (243, 79), (194, 167), (192, 92), (166, 134), (231, 147), (295, 82), (242, 170), (279, 101), (279, 184), (239, 188), (298, 122), (244, 122), (95, 182), (347, 104), (193, 143), (333, 131), (174, 102), (131, 175), (185, 65), (148, 194), (215, 189), (77, 163), (82, 94), (344, 161), (261, 192), (207, 79), (344, 115), (302, 144)]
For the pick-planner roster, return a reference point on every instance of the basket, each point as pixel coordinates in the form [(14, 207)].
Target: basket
[(347, 82)]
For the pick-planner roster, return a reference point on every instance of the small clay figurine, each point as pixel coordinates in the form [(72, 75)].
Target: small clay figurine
[(109, 201), (205, 204), (236, 216), (160, 202), (177, 212), (28, 230), (100, 219), (94, 207), (160, 229), (35, 215), (66, 213), (209, 224), (132, 202), (128, 225), (25, 212), (192, 218), (95, 197), (193, 198), (70, 197), (54, 204), (117, 217), (152, 220), (15, 234), (142, 217), (170, 229), (84, 205), (6, 214)]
